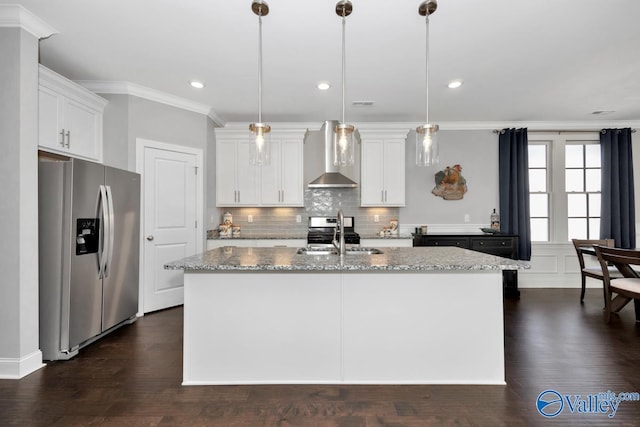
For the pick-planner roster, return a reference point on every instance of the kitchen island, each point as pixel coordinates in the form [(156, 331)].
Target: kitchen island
[(406, 316)]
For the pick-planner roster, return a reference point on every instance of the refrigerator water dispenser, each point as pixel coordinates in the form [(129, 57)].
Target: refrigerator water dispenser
[(87, 235)]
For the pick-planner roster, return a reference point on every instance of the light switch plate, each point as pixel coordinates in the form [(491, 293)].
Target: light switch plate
[(250, 218)]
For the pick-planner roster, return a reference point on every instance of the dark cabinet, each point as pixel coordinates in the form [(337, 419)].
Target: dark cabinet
[(503, 245)]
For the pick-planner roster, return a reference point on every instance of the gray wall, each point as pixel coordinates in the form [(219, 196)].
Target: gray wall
[(477, 152), (128, 117), (19, 207), (116, 131), (212, 213)]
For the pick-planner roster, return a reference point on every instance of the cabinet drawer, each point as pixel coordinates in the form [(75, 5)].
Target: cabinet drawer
[(495, 246), (461, 243), (491, 243)]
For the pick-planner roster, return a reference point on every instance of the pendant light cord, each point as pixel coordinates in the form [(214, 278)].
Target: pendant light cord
[(260, 68), (427, 73), (344, 57)]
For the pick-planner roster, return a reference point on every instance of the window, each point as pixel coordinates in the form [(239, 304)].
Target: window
[(582, 184), (564, 186), (539, 192)]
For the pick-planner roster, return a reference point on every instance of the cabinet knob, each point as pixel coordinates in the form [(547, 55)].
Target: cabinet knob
[(150, 237)]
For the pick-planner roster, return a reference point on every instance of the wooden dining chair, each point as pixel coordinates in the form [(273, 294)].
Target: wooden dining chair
[(595, 272), (627, 288)]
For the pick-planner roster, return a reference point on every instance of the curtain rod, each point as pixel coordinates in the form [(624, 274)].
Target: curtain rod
[(561, 130)]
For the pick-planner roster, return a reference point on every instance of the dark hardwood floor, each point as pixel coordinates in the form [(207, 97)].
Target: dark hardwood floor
[(132, 378)]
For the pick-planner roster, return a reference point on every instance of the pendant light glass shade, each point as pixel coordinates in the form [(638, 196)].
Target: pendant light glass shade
[(427, 145), (259, 148), (427, 149), (343, 133), (260, 133), (343, 143)]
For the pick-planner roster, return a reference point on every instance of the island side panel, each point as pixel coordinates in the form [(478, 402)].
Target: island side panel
[(261, 327), (423, 327)]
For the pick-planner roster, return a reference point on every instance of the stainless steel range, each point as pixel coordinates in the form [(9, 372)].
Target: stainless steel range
[(322, 228)]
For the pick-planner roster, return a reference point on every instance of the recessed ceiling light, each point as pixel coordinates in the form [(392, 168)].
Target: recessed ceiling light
[(323, 86), (602, 112), (197, 85), (454, 84)]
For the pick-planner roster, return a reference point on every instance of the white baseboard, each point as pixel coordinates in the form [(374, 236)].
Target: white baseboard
[(14, 369)]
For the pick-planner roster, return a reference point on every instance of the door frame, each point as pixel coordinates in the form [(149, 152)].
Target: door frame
[(141, 144)]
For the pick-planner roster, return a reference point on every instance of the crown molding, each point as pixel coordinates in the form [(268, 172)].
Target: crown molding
[(16, 16), (275, 126), (540, 125), (128, 88), (395, 127), (240, 130)]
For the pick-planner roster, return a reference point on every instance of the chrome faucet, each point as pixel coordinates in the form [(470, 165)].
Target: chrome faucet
[(339, 245)]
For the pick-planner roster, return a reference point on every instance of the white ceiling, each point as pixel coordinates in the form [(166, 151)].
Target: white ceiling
[(545, 60)]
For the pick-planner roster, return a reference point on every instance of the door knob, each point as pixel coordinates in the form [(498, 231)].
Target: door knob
[(149, 237)]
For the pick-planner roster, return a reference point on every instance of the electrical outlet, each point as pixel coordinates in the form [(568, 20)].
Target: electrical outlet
[(298, 218), (250, 218), (213, 219), (376, 218), (467, 217)]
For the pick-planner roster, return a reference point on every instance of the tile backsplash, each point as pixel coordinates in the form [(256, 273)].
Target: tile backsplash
[(317, 202)]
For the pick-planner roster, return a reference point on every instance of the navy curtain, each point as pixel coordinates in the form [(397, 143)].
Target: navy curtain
[(617, 217), (513, 165)]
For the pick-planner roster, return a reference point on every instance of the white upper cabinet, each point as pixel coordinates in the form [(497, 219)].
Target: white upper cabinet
[(236, 177), (69, 117), (239, 183), (382, 180), (282, 180)]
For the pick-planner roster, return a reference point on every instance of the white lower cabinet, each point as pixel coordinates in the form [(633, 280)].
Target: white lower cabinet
[(221, 243), (69, 117), (386, 243), (281, 243), (256, 243)]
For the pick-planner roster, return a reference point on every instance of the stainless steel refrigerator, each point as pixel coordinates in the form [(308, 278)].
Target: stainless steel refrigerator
[(89, 234)]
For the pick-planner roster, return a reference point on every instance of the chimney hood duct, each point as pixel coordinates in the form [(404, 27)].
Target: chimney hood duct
[(331, 178)]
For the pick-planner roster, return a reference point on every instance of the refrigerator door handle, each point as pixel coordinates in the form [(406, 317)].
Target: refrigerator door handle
[(104, 246), (111, 230)]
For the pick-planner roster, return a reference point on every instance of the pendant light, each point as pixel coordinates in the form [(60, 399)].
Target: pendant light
[(259, 144), (427, 134), (343, 133)]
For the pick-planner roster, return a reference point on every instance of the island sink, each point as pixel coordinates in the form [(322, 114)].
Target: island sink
[(364, 251), (333, 251)]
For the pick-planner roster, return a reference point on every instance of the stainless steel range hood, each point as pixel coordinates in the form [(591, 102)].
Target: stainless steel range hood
[(332, 176)]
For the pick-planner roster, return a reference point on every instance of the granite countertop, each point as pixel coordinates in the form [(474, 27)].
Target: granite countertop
[(256, 236), (261, 236), (377, 236), (399, 259)]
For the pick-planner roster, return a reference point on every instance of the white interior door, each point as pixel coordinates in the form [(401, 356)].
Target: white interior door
[(170, 228)]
